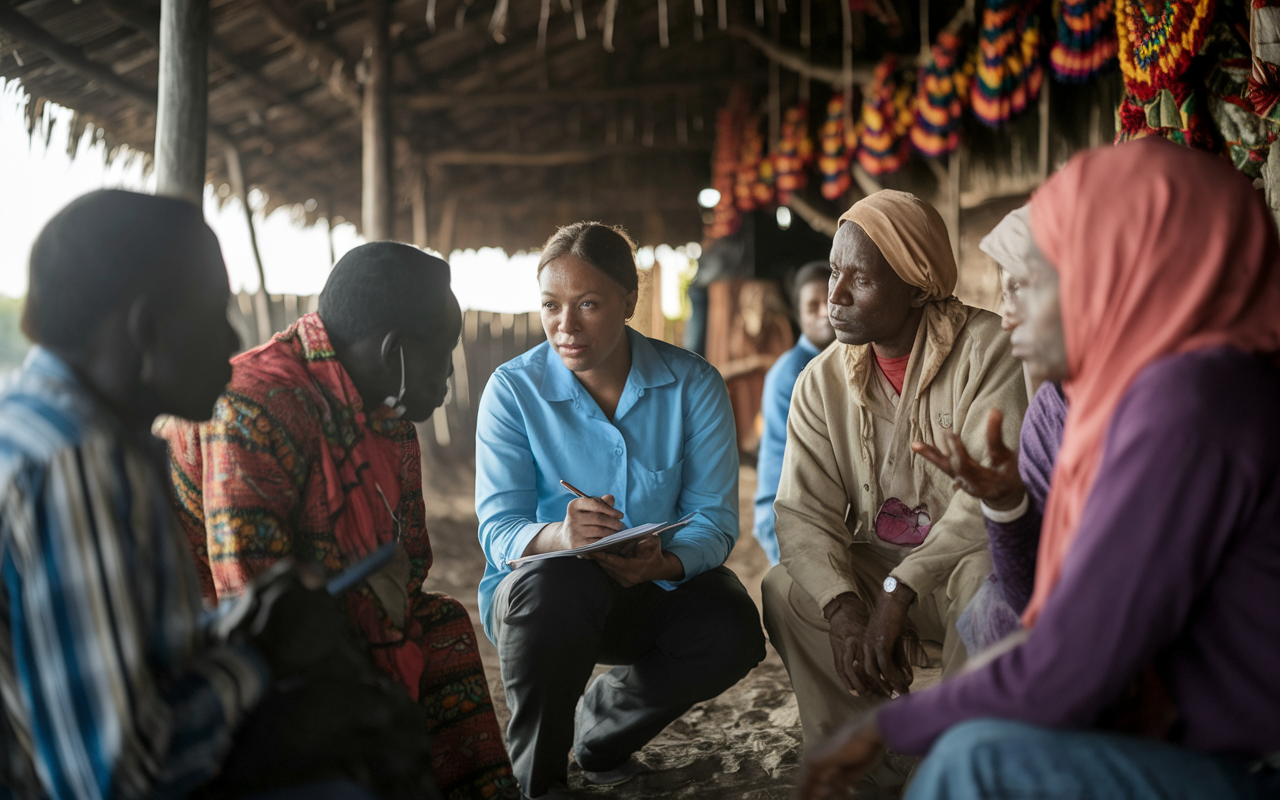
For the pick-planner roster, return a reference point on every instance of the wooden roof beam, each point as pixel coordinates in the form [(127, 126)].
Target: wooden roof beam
[(798, 63), (558, 158), (437, 101), (321, 54)]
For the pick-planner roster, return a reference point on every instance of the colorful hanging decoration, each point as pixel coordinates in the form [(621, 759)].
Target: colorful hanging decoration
[(1246, 136), (888, 109), (1157, 43), (833, 160), (1087, 43), (1009, 71), (753, 187), (1264, 44), (794, 154), (942, 92), (726, 218)]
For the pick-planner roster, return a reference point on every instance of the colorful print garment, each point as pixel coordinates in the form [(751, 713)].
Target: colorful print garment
[(291, 464)]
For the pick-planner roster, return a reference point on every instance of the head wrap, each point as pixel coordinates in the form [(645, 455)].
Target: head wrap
[(1160, 249), (1010, 240), (912, 236)]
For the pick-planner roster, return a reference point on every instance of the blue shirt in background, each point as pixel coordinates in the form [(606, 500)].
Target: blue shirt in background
[(670, 450), (775, 403)]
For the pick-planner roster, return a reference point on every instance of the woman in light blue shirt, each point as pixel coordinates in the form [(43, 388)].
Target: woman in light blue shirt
[(646, 430)]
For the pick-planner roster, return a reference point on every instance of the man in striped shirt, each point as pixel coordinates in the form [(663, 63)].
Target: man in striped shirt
[(112, 684)]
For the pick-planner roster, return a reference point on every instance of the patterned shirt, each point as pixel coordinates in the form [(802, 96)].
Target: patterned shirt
[(110, 687)]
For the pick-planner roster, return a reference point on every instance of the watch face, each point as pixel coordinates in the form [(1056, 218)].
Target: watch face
[(890, 583)]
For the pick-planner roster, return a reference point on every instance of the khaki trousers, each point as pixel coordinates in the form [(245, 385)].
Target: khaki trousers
[(801, 636)]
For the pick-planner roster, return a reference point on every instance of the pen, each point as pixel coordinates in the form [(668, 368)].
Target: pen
[(574, 489)]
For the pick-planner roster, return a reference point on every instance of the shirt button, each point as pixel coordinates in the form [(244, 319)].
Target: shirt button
[(618, 451), (866, 488)]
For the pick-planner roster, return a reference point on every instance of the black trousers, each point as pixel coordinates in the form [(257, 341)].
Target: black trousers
[(556, 619)]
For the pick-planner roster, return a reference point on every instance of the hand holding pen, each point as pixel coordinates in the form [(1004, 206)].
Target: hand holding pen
[(589, 519)]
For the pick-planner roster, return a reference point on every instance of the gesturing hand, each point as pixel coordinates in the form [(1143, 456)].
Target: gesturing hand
[(838, 763), (999, 485)]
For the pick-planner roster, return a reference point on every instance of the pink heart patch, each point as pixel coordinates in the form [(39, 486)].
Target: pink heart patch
[(898, 524)]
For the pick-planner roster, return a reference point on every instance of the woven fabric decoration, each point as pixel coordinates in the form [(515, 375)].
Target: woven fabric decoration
[(1246, 136), (942, 93), (724, 164), (1157, 43), (749, 190), (833, 156), (888, 110), (1087, 43), (1009, 71), (794, 154), (1264, 44)]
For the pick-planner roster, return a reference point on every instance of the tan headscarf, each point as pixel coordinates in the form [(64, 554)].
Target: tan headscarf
[(1010, 241), (912, 236)]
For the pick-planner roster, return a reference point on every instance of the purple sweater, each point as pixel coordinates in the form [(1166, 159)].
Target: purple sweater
[(1014, 544), (1176, 566)]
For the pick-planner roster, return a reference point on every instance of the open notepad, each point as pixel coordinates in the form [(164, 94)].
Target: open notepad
[(613, 540)]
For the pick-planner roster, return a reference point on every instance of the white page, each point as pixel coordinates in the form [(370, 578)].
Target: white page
[(612, 540)]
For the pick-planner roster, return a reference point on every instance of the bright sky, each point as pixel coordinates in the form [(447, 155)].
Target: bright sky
[(37, 178)]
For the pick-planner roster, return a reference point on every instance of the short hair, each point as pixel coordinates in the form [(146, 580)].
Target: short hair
[(380, 286), (605, 247), (98, 252), (809, 273)]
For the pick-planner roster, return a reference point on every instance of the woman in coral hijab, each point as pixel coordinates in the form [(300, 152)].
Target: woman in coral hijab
[(1148, 664)]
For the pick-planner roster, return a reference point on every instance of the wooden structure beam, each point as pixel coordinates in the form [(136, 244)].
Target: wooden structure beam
[(182, 108), (554, 158), (324, 58), (436, 101), (796, 62), (377, 206)]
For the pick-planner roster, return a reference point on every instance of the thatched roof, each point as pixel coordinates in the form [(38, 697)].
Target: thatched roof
[(524, 114)]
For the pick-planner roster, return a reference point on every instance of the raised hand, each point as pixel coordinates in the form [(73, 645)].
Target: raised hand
[(998, 485), (590, 519)]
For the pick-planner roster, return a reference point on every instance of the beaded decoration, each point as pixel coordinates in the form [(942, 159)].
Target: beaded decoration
[(1087, 43), (942, 92), (1009, 71), (888, 109), (749, 190), (794, 154), (726, 219), (1157, 43), (833, 156)]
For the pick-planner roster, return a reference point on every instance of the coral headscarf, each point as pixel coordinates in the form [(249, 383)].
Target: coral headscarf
[(912, 236), (1160, 249)]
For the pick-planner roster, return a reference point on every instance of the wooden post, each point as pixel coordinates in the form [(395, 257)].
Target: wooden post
[(377, 200), (1042, 164), (420, 209), (261, 303), (182, 115), (953, 200)]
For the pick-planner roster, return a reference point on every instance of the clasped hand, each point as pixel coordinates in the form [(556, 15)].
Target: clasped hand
[(590, 519), (869, 651)]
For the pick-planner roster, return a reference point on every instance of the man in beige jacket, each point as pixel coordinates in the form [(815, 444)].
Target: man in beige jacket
[(875, 541)]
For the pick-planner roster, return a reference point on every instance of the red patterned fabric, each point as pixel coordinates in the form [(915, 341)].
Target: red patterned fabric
[(291, 464)]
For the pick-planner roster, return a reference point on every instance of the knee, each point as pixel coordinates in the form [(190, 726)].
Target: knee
[(966, 760), (559, 594), (774, 594), (730, 633)]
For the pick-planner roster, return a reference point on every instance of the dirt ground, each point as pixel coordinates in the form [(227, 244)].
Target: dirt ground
[(746, 743)]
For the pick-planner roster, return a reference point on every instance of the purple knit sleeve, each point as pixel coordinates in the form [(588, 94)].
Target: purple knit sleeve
[(1014, 544)]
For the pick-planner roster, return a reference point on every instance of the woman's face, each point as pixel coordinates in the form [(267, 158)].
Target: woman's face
[(1030, 310), (584, 312)]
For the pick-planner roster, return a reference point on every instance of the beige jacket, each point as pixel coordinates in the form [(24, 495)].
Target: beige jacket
[(831, 491)]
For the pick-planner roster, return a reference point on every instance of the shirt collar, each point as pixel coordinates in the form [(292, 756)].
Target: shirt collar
[(647, 370), (808, 346), (43, 363)]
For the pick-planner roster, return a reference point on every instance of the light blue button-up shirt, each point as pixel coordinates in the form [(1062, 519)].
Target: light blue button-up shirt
[(670, 450), (779, 382)]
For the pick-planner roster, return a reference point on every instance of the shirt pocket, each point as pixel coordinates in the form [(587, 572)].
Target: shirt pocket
[(659, 494)]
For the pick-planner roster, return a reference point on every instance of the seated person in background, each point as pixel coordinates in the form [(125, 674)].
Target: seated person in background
[(1157, 303), (810, 296), (311, 453), (112, 687), (1012, 490), (645, 429), (875, 541)]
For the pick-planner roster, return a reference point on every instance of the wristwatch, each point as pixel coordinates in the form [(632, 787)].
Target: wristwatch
[(891, 585)]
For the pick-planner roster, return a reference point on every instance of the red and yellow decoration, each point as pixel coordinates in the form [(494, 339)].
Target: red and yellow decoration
[(1157, 43), (794, 155), (833, 160), (1009, 70), (942, 93), (888, 110), (724, 163), (1087, 42), (753, 187)]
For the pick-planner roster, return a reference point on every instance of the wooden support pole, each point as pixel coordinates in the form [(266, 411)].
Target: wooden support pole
[(1043, 164), (820, 222), (448, 219), (261, 303), (377, 199), (420, 209), (954, 164), (182, 114)]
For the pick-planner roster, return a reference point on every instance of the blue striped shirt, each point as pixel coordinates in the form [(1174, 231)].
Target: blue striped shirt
[(110, 687)]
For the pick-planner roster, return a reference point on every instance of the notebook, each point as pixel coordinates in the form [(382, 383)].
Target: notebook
[(621, 537)]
